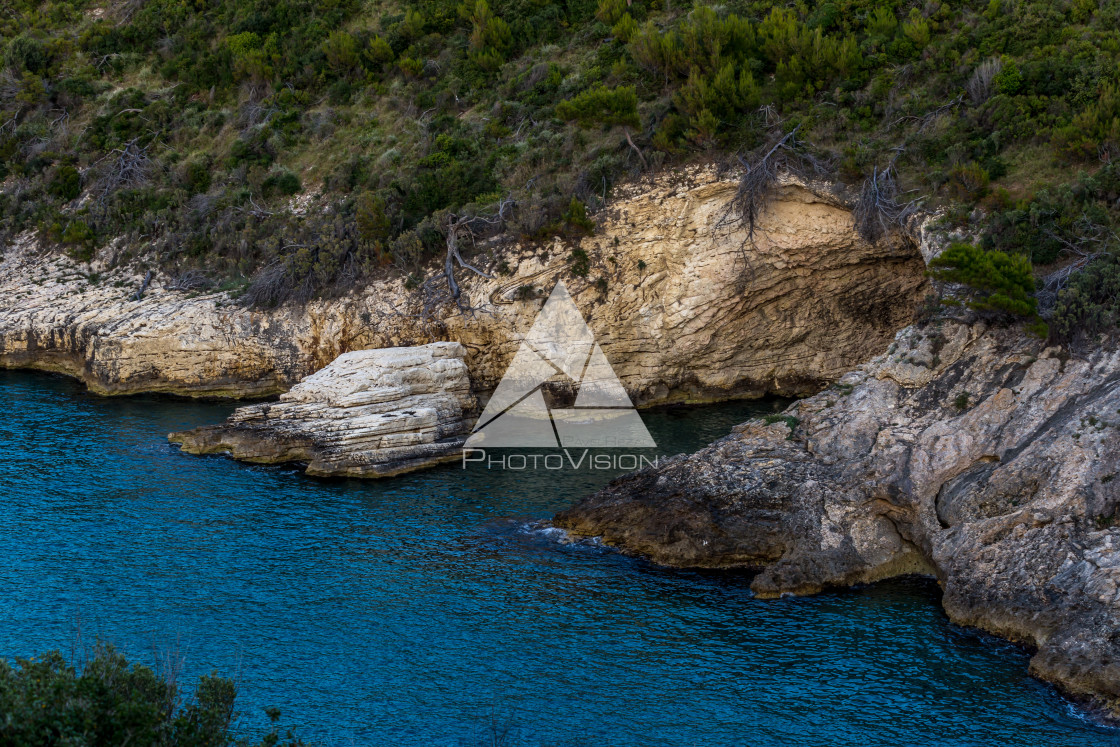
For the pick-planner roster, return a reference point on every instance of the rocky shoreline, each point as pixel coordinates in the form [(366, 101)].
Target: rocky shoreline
[(685, 306), (972, 453)]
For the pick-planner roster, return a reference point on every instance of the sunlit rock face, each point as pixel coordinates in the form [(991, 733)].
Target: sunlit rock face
[(686, 305)]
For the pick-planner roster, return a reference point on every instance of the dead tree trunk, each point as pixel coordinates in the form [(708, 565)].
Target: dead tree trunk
[(138, 295)]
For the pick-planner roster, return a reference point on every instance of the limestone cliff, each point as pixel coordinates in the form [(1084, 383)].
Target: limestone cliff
[(370, 413), (972, 453), (685, 307)]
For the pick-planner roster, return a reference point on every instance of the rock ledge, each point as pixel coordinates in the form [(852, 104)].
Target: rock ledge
[(370, 413), (971, 453)]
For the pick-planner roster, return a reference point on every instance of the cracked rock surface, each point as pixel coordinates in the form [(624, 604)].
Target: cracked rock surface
[(370, 413), (971, 453)]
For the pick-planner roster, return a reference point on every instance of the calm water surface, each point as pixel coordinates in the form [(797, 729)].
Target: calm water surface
[(430, 609)]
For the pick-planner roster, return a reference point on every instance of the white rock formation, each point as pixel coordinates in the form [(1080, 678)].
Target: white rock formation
[(370, 413)]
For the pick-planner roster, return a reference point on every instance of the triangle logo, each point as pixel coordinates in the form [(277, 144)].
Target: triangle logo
[(560, 343)]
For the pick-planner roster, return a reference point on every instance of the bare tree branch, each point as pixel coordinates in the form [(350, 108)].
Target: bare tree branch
[(190, 280), (786, 154), (138, 295), (127, 167), (983, 79), (879, 211), (1091, 244), (255, 210), (926, 119), (443, 287), (642, 158)]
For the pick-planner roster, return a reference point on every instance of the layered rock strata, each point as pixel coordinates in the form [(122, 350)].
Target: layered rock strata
[(685, 305), (370, 413), (971, 453)]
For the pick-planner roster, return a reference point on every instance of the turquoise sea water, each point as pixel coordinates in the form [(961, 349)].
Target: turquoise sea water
[(433, 609)]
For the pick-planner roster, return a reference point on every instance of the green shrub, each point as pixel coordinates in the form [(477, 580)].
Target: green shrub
[(66, 184), (197, 176), (625, 28), (371, 218), (575, 217), (80, 238), (1009, 81), (378, 52), (997, 282), (791, 422), (724, 96), (968, 181), (1056, 218), (341, 50), (282, 182), (249, 151), (26, 53), (1095, 131), (916, 28), (491, 37), (611, 11), (44, 700), (579, 263), (1090, 304), (604, 106)]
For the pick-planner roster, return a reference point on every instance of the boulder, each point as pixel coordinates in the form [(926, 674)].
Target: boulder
[(370, 413)]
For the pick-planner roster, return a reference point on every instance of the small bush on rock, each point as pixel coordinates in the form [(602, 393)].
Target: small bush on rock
[(998, 282)]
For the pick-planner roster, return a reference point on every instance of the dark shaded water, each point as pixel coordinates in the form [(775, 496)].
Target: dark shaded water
[(428, 609)]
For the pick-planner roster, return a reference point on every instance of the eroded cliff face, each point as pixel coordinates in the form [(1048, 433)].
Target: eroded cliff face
[(972, 453), (685, 306)]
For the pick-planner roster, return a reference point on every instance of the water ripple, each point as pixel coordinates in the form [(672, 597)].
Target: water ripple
[(425, 609)]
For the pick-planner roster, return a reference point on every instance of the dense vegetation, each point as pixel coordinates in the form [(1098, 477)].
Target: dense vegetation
[(307, 144), (46, 701)]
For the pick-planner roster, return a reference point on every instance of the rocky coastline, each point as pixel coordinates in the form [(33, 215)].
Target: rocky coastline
[(968, 452), (684, 304)]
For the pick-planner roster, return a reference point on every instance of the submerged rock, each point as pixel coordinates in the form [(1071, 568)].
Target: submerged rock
[(370, 413), (973, 454)]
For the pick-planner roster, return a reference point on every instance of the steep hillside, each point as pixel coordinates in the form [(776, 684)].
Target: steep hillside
[(684, 311), (289, 149)]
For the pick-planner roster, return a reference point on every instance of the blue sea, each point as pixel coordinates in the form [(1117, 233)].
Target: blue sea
[(436, 608)]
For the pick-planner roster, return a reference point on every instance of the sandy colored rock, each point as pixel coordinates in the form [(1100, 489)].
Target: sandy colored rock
[(370, 413), (971, 453), (692, 309)]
